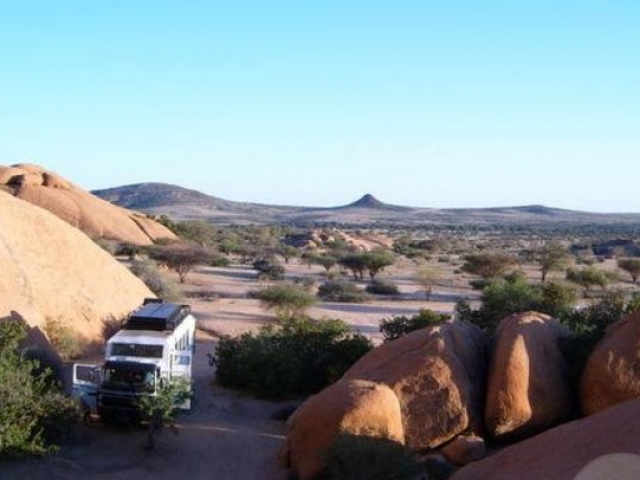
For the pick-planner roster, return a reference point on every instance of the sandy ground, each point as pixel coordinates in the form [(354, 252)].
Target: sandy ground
[(227, 436)]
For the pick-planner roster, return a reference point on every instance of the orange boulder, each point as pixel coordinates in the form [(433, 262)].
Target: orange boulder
[(354, 407), (527, 386), (438, 374), (612, 372)]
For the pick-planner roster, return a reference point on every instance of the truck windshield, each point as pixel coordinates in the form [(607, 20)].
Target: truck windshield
[(137, 378), (136, 350)]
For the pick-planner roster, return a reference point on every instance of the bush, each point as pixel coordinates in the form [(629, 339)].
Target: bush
[(358, 457), (588, 326), (66, 342), (269, 269), (398, 326), (502, 298), (590, 277), (286, 301), (308, 283), (218, 260), (162, 287), (129, 250), (296, 358), (341, 291), (161, 409), (34, 414), (379, 287)]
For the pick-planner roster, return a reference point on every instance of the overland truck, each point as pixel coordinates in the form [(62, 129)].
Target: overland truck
[(155, 345)]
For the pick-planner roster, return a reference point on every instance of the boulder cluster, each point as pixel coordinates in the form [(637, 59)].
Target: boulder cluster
[(447, 388)]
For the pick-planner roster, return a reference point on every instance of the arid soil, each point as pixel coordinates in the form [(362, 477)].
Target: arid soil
[(227, 435)]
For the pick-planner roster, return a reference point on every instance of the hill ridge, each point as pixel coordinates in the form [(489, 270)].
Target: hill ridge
[(183, 203)]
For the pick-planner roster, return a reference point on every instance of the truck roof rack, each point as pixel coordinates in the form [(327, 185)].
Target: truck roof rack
[(157, 316)]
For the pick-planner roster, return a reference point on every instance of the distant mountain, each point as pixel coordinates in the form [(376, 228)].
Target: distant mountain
[(146, 196), (368, 201), (182, 204)]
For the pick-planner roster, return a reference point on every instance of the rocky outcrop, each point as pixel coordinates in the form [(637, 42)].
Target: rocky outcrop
[(438, 374), (527, 388), (52, 270), (94, 216), (422, 390), (354, 407), (612, 372), (560, 453)]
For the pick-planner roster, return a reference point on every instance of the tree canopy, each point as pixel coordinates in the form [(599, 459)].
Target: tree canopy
[(180, 257), (287, 301), (487, 265), (552, 256), (631, 266)]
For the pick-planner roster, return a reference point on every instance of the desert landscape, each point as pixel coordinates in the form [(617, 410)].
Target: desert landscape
[(420, 386), (319, 240)]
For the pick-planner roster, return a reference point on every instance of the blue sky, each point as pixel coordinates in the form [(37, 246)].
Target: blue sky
[(435, 104)]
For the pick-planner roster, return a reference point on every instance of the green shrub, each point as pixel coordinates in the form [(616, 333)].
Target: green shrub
[(269, 269), (341, 291), (358, 457), (295, 358), (380, 287), (66, 342), (588, 326), (161, 409), (589, 278), (218, 260), (159, 284), (34, 413), (502, 298), (398, 326), (286, 301)]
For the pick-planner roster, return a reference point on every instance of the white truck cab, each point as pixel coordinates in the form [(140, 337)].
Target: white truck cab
[(156, 344)]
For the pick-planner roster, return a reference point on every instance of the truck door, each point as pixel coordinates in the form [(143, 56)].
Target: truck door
[(86, 381)]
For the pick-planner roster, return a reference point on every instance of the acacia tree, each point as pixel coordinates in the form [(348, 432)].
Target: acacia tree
[(180, 257), (427, 278), (326, 260), (356, 263), (552, 256), (377, 260), (487, 265), (590, 277), (287, 252), (631, 266), (287, 301)]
